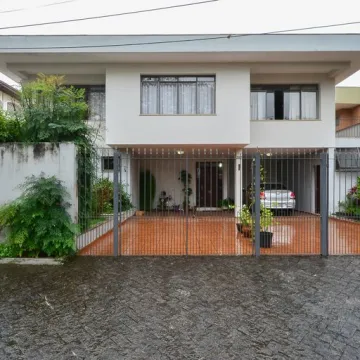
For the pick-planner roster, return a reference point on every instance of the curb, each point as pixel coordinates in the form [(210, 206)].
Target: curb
[(31, 261)]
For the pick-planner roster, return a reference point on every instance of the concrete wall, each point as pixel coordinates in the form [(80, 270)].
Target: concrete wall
[(125, 125), (18, 161), (297, 133)]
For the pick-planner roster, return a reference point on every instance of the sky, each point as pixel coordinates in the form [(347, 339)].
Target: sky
[(222, 16)]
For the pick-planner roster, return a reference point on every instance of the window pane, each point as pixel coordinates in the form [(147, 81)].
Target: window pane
[(187, 98), (149, 98), (206, 78), (168, 78), (292, 105), (308, 105), (108, 163), (270, 105), (206, 97), (168, 98), (96, 104), (258, 105), (187, 78)]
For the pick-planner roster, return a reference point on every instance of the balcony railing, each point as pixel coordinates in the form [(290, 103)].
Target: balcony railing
[(349, 132)]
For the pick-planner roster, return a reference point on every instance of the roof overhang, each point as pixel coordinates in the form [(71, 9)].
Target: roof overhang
[(337, 55)]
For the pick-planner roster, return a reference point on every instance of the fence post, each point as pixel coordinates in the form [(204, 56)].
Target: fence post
[(116, 202), (120, 189), (257, 204), (324, 204)]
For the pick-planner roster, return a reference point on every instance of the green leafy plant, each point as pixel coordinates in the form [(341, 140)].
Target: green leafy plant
[(10, 128), (37, 223), (103, 198), (53, 112), (266, 218), (244, 217), (227, 203), (147, 190), (185, 179)]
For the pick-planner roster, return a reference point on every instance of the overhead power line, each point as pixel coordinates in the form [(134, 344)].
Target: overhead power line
[(229, 36), (108, 15), (37, 7)]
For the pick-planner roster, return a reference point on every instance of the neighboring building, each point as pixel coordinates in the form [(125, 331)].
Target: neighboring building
[(175, 92), (9, 97)]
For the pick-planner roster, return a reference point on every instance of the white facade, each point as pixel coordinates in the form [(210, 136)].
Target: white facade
[(236, 62)]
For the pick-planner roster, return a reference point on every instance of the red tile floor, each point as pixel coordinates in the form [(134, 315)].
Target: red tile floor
[(216, 234)]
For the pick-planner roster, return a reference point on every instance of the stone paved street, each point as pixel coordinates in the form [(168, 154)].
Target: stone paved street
[(182, 308)]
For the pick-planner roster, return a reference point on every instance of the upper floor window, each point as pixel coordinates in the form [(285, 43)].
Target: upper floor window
[(95, 98), (177, 95), (284, 102), (12, 107)]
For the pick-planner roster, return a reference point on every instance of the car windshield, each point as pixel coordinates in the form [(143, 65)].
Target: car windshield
[(273, 187)]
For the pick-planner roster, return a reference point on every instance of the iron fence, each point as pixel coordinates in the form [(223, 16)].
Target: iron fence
[(220, 202)]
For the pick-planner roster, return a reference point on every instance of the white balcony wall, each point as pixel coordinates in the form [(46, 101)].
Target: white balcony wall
[(126, 126), (297, 133)]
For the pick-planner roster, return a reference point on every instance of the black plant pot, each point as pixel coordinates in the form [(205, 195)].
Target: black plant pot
[(238, 226), (266, 239)]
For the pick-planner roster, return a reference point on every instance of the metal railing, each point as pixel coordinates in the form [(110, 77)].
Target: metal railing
[(349, 132)]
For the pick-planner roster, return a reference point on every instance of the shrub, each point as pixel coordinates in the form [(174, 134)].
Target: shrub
[(37, 223), (351, 205), (103, 198), (10, 128)]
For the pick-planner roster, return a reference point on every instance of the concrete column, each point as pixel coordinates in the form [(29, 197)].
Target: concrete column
[(332, 205), (238, 181)]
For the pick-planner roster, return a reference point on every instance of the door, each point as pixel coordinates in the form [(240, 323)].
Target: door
[(209, 184), (317, 189)]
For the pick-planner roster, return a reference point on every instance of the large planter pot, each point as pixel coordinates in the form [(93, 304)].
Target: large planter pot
[(246, 231), (266, 239), (239, 227)]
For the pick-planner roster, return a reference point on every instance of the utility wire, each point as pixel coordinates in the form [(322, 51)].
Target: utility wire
[(229, 36), (37, 7), (108, 15)]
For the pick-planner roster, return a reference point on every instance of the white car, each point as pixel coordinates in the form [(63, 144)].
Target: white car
[(275, 196)]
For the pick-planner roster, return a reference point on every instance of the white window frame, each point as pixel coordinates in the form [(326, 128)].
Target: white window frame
[(160, 79)]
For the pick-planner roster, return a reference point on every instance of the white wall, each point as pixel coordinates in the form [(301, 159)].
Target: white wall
[(301, 133), (125, 125), (18, 161)]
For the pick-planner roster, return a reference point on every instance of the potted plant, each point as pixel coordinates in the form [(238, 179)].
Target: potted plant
[(227, 204), (266, 220), (245, 221), (185, 179)]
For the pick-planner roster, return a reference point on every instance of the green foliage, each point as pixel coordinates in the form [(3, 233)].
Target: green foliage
[(351, 205), (185, 179), (53, 112), (10, 128), (245, 217), (266, 218), (37, 223), (147, 190), (103, 198), (227, 203)]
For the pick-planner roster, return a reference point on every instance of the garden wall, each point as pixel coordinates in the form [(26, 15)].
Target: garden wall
[(18, 161)]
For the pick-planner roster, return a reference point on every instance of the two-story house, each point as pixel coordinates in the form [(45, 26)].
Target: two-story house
[(175, 102)]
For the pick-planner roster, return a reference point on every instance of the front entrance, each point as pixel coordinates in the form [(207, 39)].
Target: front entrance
[(209, 184)]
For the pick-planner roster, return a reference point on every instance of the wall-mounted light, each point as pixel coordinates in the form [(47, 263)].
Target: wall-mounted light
[(220, 164), (180, 152)]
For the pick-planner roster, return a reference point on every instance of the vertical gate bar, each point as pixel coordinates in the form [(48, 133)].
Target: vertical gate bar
[(120, 187), (324, 203), (257, 204), (187, 202), (116, 202)]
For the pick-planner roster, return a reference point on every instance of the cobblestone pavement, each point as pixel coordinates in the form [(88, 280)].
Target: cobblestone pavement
[(182, 308)]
